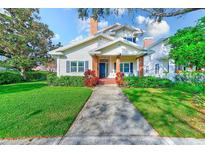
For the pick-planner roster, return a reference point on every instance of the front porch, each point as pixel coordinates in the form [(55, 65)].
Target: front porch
[(108, 66), (118, 56)]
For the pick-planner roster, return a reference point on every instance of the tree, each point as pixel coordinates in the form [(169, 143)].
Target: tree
[(157, 13), (24, 40), (188, 45)]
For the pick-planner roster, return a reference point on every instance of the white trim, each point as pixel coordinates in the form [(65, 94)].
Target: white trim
[(61, 49), (117, 41)]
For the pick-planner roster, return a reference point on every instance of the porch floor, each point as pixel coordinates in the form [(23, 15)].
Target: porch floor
[(103, 81)]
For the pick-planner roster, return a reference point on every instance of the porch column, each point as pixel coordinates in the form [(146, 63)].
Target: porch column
[(118, 64), (141, 66), (95, 65)]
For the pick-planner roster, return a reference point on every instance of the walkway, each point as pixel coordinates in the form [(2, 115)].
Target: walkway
[(107, 114)]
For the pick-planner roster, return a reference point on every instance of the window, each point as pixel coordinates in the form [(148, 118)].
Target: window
[(147, 69), (81, 66), (126, 67), (73, 66), (76, 66), (168, 67), (157, 69)]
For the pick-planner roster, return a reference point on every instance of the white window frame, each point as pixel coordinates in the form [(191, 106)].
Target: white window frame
[(123, 66), (73, 66), (81, 66), (77, 66)]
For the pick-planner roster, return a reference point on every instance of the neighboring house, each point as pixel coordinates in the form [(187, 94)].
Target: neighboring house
[(114, 49), (2, 58)]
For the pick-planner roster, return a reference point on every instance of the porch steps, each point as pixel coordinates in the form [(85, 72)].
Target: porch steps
[(107, 81)]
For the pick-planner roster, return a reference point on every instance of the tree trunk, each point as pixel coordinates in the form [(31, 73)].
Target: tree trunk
[(23, 73)]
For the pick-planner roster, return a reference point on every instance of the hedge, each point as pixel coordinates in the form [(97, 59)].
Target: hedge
[(72, 81), (147, 82), (8, 77), (37, 75)]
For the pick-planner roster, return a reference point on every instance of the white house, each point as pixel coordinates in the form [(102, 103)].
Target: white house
[(114, 49)]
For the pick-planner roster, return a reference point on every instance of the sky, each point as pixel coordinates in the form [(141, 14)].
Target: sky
[(69, 28)]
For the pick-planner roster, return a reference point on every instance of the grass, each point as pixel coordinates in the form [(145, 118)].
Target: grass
[(169, 111), (35, 109)]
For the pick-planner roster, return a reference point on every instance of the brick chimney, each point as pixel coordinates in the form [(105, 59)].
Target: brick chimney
[(147, 41), (93, 26)]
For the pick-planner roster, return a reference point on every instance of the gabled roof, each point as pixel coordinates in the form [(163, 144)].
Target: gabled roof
[(150, 50), (59, 51), (108, 28), (131, 28), (157, 42), (119, 40)]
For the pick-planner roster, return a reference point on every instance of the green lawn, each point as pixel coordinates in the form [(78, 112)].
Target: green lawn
[(169, 111), (34, 109)]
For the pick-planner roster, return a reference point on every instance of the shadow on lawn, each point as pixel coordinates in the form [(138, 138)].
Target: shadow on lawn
[(168, 108), (20, 87)]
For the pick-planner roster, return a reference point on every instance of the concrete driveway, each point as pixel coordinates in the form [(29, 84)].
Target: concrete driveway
[(108, 115)]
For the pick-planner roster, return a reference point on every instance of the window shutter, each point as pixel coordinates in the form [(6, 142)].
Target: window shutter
[(131, 68), (67, 66), (86, 65), (114, 67)]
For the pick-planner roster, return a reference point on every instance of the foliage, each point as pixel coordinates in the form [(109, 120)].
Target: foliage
[(72, 81), (169, 111), (37, 110), (147, 82), (90, 78), (25, 41), (37, 75), (119, 78), (187, 45), (196, 80), (190, 76), (189, 87), (157, 13), (12, 76), (7, 77)]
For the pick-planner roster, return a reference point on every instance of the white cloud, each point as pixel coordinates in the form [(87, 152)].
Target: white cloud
[(84, 25), (140, 19), (154, 28), (56, 37), (78, 38), (102, 24)]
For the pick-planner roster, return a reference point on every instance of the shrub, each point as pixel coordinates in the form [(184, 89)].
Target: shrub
[(90, 78), (191, 81), (7, 77), (147, 82), (119, 78), (72, 81), (37, 75), (189, 87), (191, 77)]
